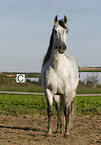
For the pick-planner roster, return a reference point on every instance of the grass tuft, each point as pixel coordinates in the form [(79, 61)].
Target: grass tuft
[(88, 105)]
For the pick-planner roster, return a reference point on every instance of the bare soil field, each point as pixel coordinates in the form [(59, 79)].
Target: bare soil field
[(31, 130)]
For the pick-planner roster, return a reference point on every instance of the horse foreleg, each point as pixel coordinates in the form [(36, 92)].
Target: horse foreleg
[(49, 112), (49, 98)]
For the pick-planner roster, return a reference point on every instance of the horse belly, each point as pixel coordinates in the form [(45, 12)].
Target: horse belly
[(67, 80)]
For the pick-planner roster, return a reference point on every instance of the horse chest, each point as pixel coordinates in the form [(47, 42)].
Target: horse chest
[(57, 75), (55, 80)]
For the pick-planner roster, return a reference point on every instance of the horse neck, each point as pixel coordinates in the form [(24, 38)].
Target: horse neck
[(55, 57)]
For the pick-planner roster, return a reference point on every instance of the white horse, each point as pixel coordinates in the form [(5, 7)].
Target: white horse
[(59, 74)]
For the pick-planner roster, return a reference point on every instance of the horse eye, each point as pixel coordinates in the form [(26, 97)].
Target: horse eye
[(67, 31)]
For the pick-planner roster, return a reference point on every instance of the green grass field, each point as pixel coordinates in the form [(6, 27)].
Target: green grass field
[(88, 105), (22, 88), (38, 88), (29, 104), (88, 90)]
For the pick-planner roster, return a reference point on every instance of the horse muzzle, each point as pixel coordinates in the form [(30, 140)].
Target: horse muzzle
[(62, 48)]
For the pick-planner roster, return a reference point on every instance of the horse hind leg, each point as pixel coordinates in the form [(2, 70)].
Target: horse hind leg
[(67, 115), (58, 108), (73, 107), (73, 104), (71, 115)]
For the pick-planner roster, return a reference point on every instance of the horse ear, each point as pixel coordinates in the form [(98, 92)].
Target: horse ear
[(65, 20), (56, 20)]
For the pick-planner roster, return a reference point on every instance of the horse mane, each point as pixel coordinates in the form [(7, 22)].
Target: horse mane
[(48, 53)]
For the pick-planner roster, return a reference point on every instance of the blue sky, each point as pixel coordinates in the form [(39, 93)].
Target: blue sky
[(26, 25)]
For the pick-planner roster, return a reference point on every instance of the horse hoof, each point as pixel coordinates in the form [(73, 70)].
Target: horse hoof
[(57, 131), (66, 135), (49, 134)]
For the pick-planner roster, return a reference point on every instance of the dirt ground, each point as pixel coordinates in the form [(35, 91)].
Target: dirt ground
[(31, 130)]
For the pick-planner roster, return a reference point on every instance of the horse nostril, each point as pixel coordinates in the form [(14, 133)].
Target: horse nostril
[(60, 47), (65, 47)]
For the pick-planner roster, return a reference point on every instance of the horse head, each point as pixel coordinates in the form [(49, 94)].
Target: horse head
[(58, 38), (60, 31)]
